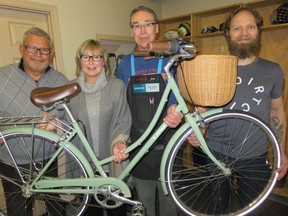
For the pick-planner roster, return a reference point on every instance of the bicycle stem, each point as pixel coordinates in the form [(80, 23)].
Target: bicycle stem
[(204, 146)]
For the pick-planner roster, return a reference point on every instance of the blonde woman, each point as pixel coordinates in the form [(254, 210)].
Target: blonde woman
[(101, 107)]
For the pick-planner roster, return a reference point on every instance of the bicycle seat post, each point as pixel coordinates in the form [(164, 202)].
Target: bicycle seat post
[(68, 111)]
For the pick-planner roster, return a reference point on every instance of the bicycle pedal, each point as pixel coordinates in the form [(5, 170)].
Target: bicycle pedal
[(138, 210)]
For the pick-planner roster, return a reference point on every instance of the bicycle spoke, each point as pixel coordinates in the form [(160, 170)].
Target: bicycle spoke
[(198, 186), (36, 149)]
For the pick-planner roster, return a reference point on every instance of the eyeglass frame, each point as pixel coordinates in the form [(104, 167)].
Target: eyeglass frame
[(138, 27), (91, 57), (27, 47)]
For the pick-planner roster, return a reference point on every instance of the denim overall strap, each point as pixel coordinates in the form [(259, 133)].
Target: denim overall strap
[(159, 68)]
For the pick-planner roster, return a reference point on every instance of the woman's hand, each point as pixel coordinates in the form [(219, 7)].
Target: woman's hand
[(118, 152)]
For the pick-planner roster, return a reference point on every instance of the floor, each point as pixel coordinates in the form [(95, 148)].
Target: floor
[(277, 202), (275, 205)]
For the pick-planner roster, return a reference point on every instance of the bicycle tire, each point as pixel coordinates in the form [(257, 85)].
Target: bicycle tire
[(194, 183), (37, 203)]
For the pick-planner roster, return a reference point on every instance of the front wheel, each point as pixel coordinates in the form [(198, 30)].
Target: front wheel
[(245, 145), (31, 151)]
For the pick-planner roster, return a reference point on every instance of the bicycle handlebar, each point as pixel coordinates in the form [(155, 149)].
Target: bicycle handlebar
[(172, 46), (160, 48)]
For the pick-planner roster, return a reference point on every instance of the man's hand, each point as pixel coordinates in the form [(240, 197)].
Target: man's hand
[(282, 170), (192, 139), (118, 152), (173, 118), (45, 125)]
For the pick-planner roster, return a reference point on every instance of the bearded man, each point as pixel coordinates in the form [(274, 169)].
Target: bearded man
[(259, 91)]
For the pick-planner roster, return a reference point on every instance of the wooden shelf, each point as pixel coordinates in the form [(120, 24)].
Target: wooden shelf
[(172, 24), (275, 27), (264, 28), (207, 35), (215, 17), (175, 19)]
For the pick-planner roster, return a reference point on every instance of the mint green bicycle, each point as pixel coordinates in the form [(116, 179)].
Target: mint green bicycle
[(58, 173)]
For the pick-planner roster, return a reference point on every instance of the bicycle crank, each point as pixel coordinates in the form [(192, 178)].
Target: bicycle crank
[(105, 194), (110, 196)]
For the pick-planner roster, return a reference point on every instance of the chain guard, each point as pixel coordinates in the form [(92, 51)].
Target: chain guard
[(103, 193)]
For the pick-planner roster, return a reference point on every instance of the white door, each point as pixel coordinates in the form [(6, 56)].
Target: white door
[(14, 21), (13, 24)]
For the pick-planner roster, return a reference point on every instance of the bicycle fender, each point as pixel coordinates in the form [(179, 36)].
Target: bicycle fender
[(70, 147), (166, 154), (172, 141)]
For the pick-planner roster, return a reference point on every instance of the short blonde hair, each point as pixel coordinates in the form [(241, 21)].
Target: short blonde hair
[(91, 45)]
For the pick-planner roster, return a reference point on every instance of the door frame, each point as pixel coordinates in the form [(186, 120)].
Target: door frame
[(114, 41), (51, 13)]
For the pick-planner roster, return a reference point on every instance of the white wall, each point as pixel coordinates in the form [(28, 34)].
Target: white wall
[(82, 19)]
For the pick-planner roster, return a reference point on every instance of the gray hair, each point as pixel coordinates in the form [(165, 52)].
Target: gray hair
[(143, 8), (35, 31)]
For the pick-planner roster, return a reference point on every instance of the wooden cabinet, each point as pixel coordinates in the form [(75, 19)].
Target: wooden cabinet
[(274, 42), (215, 43), (172, 24)]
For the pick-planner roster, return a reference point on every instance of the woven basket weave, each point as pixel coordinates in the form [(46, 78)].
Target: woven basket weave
[(209, 79)]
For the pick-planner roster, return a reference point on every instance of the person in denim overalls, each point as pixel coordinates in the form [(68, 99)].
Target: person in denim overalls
[(136, 71)]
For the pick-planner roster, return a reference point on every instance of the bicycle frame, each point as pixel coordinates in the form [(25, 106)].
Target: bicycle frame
[(39, 184)]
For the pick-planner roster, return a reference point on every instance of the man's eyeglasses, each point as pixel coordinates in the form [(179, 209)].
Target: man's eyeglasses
[(95, 58), (33, 49), (147, 26)]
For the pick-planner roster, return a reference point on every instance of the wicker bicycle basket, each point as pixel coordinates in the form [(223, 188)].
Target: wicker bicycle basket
[(210, 80)]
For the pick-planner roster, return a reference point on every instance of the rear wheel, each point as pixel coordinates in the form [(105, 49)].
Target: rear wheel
[(242, 143), (15, 196)]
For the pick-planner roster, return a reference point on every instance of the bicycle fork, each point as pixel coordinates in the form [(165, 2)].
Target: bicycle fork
[(203, 144)]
